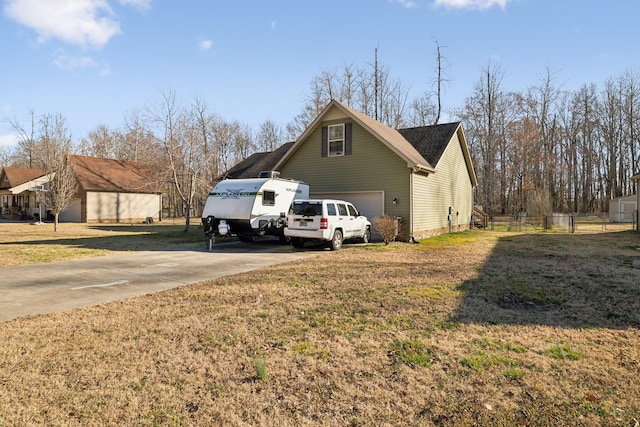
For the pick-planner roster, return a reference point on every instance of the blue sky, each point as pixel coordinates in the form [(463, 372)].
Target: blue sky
[(252, 60)]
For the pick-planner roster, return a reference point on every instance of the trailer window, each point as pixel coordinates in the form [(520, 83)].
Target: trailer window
[(268, 198)]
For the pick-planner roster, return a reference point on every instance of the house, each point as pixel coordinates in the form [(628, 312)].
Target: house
[(422, 175), (256, 163), (18, 195), (108, 191), (622, 209), (113, 190)]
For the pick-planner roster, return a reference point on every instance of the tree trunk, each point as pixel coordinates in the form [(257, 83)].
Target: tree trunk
[(187, 222)]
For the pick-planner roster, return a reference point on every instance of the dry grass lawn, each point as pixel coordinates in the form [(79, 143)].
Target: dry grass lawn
[(24, 243), (474, 328)]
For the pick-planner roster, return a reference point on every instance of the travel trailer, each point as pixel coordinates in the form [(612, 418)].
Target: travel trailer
[(251, 207)]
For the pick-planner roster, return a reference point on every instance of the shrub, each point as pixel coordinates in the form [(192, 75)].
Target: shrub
[(388, 227)]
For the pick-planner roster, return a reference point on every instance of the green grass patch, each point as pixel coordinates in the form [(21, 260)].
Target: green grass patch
[(507, 346), (514, 374), (411, 352), (308, 348), (437, 292), (481, 360), (449, 240), (563, 352)]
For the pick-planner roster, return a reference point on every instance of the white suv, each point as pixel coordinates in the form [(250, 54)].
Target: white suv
[(325, 220)]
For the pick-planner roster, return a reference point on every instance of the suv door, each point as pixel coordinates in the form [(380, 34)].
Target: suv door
[(355, 222), (343, 220)]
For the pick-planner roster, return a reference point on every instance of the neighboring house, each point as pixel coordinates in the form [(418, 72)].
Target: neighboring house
[(423, 175), (108, 191), (623, 209), (256, 163), (18, 195), (113, 190)]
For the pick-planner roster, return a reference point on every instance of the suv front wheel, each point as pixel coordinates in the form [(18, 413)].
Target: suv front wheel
[(366, 237), (336, 240)]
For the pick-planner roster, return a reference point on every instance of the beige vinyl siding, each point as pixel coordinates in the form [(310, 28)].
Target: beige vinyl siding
[(72, 213), (449, 186), (372, 166), (107, 206)]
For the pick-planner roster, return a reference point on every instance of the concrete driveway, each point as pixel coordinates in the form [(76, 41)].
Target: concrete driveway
[(58, 286)]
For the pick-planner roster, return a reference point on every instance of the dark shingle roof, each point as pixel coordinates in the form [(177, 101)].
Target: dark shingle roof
[(430, 141), (97, 174), (12, 177), (256, 163)]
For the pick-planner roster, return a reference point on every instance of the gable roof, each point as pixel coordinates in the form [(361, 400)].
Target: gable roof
[(12, 177), (97, 174), (257, 162), (388, 136), (431, 141)]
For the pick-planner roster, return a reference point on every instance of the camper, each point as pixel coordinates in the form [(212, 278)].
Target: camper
[(251, 207)]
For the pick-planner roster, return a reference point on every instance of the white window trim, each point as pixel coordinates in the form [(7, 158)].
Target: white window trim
[(329, 141)]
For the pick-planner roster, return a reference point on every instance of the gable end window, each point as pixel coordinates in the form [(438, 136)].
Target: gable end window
[(336, 140)]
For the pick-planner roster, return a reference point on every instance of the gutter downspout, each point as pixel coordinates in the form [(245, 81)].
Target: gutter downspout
[(411, 207)]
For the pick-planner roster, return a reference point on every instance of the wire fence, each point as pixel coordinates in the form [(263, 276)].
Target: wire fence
[(570, 223)]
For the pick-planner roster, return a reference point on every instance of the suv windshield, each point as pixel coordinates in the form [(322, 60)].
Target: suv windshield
[(307, 209)]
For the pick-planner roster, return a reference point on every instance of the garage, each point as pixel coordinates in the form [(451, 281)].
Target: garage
[(369, 203), (72, 213)]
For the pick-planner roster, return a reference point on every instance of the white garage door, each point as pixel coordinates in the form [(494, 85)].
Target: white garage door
[(369, 203), (72, 213)]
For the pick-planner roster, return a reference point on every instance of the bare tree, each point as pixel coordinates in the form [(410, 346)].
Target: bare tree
[(630, 82), (313, 105), (138, 141), (370, 90), (101, 142), (6, 155), (481, 114), (243, 145), (179, 143), (439, 81), (423, 111), (55, 142), (205, 124), (26, 154), (270, 136)]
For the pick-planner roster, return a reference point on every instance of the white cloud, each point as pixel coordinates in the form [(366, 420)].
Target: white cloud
[(8, 140), (273, 24), (80, 22), (409, 4), (85, 23), (73, 62), (205, 44), (138, 4), (471, 4)]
